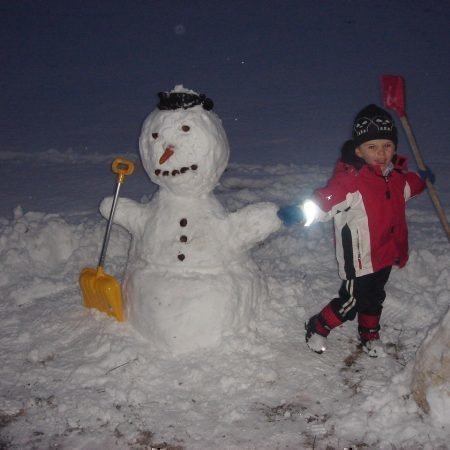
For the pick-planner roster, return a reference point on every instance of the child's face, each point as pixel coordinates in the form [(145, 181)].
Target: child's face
[(378, 152)]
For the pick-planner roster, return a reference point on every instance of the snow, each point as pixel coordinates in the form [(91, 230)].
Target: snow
[(75, 378), (430, 376)]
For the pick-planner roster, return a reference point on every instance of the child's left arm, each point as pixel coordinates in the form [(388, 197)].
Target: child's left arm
[(427, 174), (414, 185)]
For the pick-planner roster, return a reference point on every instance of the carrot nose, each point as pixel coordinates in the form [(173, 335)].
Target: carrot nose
[(168, 152)]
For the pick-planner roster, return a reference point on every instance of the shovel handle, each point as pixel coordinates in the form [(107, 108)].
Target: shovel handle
[(413, 143), (421, 165), (121, 167)]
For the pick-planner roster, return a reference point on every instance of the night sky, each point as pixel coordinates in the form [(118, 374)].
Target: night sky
[(287, 77)]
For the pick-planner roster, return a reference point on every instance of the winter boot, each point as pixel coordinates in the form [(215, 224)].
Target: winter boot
[(368, 328), (315, 341), (375, 348)]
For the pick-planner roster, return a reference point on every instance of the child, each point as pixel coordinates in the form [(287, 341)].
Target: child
[(366, 197)]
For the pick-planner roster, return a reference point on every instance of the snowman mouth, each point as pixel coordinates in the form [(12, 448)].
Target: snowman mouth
[(176, 172)]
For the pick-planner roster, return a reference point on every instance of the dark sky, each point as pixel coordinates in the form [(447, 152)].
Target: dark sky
[(287, 77)]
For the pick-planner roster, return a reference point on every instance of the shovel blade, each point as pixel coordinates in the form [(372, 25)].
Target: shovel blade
[(393, 87), (101, 291)]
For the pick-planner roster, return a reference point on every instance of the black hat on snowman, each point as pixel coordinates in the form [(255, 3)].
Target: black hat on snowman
[(373, 122), (183, 99)]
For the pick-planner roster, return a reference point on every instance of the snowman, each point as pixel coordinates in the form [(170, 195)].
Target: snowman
[(190, 281)]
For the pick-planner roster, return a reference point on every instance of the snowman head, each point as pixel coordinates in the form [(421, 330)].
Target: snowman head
[(183, 145)]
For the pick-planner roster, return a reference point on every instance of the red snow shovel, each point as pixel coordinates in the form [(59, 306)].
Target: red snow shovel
[(394, 98), (100, 290)]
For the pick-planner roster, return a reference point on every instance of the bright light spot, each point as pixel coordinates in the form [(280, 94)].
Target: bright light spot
[(311, 211)]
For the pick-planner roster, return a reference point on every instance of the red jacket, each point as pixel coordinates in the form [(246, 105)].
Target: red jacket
[(369, 216)]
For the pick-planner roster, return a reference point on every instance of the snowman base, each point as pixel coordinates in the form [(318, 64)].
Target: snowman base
[(181, 313)]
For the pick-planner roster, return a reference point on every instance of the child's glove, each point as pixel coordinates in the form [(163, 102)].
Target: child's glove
[(427, 174), (291, 214)]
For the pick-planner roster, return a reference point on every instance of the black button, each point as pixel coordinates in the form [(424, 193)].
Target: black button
[(181, 257), (183, 238), (183, 222)]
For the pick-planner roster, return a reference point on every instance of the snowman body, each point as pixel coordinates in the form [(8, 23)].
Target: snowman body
[(190, 280)]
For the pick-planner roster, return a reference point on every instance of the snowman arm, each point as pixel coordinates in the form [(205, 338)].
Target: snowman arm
[(254, 223), (127, 214)]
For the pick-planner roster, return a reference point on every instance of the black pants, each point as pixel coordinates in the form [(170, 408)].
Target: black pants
[(364, 295)]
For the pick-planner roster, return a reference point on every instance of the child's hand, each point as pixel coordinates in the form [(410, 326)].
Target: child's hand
[(427, 174), (290, 215)]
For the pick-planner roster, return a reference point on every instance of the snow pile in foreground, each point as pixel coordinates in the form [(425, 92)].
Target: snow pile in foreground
[(75, 378)]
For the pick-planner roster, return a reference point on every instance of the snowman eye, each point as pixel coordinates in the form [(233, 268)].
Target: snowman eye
[(185, 128), (154, 135)]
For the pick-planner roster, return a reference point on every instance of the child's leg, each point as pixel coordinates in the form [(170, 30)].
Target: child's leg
[(363, 295), (334, 314), (370, 292), (338, 311)]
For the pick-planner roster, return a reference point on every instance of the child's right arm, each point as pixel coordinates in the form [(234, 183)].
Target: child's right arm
[(325, 203), (334, 197)]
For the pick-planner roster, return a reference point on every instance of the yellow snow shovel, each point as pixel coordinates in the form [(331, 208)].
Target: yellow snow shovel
[(100, 290)]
